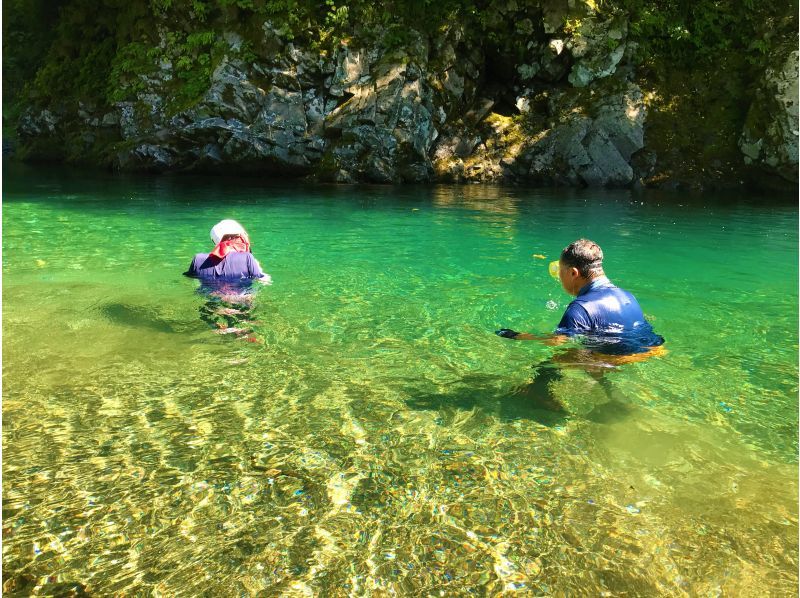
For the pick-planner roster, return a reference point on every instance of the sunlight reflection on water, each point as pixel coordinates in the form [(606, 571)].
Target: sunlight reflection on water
[(378, 440)]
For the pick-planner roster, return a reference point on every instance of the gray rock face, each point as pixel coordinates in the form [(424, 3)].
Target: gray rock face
[(237, 124), (364, 116), (42, 124), (384, 131), (770, 136), (147, 157), (351, 67), (592, 151), (554, 13), (374, 114), (443, 108), (554, 62), (454, 83), (127, 120)]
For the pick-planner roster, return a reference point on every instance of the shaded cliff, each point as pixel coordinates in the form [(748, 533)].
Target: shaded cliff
[(555, 92)]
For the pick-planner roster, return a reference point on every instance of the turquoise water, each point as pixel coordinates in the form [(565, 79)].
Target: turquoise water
[(377, 438)]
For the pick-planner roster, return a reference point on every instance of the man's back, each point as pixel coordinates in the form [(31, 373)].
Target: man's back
[(610, 318)]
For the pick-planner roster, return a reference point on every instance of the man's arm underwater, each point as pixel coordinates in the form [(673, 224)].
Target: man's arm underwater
[(574, 321), (547, 339)]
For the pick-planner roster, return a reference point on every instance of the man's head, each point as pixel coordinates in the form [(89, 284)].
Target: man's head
[(580, 263)]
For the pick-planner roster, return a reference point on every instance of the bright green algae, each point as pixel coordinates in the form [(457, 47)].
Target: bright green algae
[(376, 441)]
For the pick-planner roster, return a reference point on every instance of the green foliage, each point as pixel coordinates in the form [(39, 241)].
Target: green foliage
[(131, 62), (336, 18), (241, 4), (397, 36), (193, 57), (65, 50), (200, 10), (160, 6), (28, 28), (75, 68), (199, 40), (690, 31), (247, 52)]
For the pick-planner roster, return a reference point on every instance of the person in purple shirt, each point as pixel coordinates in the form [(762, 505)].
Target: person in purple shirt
[(230, 260), (226, 275), (607, 319)]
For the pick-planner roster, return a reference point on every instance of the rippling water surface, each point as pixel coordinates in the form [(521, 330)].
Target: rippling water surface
[(377, 439)]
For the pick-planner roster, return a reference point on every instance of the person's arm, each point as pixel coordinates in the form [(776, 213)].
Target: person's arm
[(548, 339), (256, 272), (574, 321), (192, 271)]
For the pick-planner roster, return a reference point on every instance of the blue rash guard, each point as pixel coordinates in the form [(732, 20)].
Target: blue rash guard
[(610, 320)]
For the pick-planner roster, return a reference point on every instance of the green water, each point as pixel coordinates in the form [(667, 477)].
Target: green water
[(375, 440)]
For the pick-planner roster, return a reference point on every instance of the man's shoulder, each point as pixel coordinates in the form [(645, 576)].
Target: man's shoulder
[(576, 306), (627, 293), (604, 290)]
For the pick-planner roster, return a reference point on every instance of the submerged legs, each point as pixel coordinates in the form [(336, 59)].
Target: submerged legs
[(227, 315), (554, 389)]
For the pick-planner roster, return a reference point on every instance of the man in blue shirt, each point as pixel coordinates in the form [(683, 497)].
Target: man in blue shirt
[(608, 319)]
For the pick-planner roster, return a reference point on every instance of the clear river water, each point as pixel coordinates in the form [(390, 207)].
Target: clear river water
[(371, 436)]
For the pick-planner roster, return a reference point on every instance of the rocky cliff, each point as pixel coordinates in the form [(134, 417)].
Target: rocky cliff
[(556, 93)]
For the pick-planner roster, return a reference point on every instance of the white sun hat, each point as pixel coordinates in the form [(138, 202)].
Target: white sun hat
[(226, 227)]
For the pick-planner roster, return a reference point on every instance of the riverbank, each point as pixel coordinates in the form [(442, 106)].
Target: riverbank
[(573, 95)]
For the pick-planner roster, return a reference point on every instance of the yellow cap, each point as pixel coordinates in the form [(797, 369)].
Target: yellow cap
[(553, 269)]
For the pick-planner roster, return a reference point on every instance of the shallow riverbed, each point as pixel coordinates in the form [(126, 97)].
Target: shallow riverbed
[(376, 438)]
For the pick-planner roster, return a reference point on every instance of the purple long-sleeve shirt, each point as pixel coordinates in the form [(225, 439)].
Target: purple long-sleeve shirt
[(234, 266)]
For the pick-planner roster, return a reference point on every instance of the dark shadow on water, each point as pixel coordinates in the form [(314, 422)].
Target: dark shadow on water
[(227, 311), (610, 413), (481, 392), (535, 400), (141, 316)]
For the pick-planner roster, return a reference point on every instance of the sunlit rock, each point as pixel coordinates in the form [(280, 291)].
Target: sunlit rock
[(554, 61), (597, 47), (591, 150)]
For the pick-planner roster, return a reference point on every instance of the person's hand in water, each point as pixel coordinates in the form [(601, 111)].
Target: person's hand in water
[(547, 339), (517, 336), (507, 333)]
